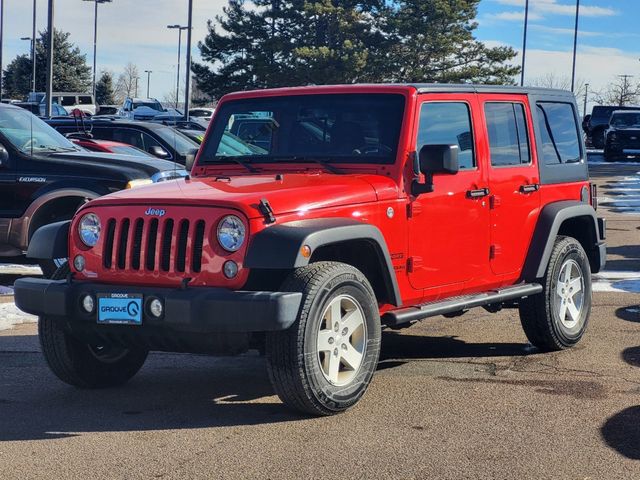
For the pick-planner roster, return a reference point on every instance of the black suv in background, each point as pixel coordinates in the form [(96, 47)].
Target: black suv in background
[(622, 138), (44, 177), (159, 140), (598, 122)]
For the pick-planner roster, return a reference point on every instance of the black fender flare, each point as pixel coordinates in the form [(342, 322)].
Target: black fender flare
[(549, 222), (279, 246), (50, 241)]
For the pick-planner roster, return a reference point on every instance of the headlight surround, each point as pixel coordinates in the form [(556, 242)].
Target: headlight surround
[(231, 233), (89, 229)]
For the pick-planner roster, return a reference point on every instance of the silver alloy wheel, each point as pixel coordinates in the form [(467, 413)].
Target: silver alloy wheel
[(570, 294), (341, 340)]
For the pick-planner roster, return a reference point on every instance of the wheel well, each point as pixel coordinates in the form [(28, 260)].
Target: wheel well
[(583, 230), (366, 257), (55, 210)]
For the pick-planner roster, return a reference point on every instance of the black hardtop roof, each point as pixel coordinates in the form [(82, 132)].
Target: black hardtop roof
[(473, 88)]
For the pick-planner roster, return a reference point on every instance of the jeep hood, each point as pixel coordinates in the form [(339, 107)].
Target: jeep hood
[(285, 193)]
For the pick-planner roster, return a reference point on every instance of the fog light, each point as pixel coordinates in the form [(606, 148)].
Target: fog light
[(230, 269), (78, 263), (88, 303), (156, 308)]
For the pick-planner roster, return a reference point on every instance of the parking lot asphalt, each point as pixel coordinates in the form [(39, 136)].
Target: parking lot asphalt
[(453, 398)]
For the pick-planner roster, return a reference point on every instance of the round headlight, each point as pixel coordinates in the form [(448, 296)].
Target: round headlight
[(89, 229), (231, 233)]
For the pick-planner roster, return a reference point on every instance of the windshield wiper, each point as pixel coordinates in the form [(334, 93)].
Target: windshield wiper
[(237, 160), (323, 161)]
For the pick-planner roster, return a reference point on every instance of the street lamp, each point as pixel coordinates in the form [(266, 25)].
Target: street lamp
[(95, 37), (148, 72), (33, 47), (33, 60), (180, 28)]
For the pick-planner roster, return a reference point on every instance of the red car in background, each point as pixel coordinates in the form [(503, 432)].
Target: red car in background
[(108, 146)]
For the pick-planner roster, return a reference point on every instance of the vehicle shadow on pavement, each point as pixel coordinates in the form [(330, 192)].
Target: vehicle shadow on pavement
[(172, 391), (630, 313), (630, 258), (397, 347)]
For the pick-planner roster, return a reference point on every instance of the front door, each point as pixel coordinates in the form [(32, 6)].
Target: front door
[(8, 186), (449, 227), (513, 180)]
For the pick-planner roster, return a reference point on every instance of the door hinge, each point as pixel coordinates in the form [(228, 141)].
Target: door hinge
[(414, 209), (494, 251), (494, 201), (413, 263)]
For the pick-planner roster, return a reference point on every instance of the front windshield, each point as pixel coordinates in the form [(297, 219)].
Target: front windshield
[(180, 142), (129, 150), (346, 128), (152, 105), (28, 133), (626, 119)]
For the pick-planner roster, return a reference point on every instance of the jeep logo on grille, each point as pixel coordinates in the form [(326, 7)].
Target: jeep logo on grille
[(155, 212)]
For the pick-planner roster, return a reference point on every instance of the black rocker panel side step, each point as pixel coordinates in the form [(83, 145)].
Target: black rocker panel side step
[(456, 304)]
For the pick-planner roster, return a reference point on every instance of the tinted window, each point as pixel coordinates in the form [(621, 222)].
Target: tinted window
[(507, 127), (558, 132), (447, 124), (68, 100), (338, 128), (85, 100)]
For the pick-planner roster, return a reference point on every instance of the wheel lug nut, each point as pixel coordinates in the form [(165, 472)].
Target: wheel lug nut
[(335, 352), (336, 327), (344, 346), (345, 330), (331, 340)]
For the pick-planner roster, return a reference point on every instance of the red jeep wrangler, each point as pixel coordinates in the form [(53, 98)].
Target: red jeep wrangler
[(313, 217)]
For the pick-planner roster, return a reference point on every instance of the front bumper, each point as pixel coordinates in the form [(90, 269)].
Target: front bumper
[(197, 310)]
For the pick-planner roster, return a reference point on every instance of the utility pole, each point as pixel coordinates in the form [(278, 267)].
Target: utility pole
[(180, 28), (95, 38), (575, 44), (33, 48), (50, 47), (187, 87), (524, 40), (586, 94)]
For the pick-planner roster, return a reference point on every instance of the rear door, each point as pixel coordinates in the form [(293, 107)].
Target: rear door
[(514, 180), (449, 227), (8, 187)]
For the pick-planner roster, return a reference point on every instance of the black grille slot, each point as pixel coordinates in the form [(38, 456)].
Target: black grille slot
[(152, 240), (165, 260), (198, 241), (183, 237), (107, 254), (122, 243), (137, 244)]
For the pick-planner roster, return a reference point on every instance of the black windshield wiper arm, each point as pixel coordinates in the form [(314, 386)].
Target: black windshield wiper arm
[(243, 163)]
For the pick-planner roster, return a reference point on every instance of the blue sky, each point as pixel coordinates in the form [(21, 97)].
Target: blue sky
[(135, 31)]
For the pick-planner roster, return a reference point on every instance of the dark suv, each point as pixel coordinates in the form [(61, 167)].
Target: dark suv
[(159, 140), (599, 122), (622, 137), (44, 177)]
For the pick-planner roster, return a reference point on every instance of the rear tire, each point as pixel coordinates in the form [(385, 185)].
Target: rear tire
[(81, 364), (324, 362), (558, 317)]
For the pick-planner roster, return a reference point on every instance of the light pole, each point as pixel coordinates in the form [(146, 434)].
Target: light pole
[(50, 46), (575, 44), (33, 47), (148, 72), (524, 40), (187, 87), (586, 94), (95, 37), (180, 28)]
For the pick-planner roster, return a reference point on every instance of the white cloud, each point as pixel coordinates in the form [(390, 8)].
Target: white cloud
[(515, 16), (566, 31), (542, 7)]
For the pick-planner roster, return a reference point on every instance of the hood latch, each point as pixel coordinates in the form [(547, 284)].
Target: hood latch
[(266, 210)]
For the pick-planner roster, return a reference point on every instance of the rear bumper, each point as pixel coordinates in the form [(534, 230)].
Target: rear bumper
[(192, 310)]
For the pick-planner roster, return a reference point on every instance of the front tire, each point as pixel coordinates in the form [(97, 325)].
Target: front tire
[(324, 362), (81, 364), (557, 318)]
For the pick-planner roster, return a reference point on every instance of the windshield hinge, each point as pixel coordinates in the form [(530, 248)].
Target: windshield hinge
[(266, 210)]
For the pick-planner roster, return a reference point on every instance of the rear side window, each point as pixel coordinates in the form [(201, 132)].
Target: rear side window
[(448, 123), (85, 100), (68, 100), (558, 133), (508, 139)]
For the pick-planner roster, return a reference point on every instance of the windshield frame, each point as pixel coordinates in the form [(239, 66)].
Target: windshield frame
[(220, 121)]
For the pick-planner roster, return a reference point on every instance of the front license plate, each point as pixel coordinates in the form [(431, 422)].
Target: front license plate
[(120, 308)]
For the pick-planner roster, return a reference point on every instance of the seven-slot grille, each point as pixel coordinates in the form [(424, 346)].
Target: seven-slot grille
[(154, 244)]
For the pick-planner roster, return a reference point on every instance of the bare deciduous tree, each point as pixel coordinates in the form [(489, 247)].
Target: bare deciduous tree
[(551, 80), (127, 83), (623, 91)]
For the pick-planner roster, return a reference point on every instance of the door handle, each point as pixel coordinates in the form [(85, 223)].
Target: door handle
[(534, 187), (481, 192)]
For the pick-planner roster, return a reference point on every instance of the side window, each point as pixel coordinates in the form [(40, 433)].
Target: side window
[(508, 139), (149, 142), (68, 101), (447, 123), (102, 133), (85, 100), (128, 136), (558, 132)]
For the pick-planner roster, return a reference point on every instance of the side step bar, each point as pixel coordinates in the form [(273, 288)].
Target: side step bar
[(456, 304)]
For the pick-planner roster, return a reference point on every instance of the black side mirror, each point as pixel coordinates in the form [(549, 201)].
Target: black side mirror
[(159, 152), (4, 157), (190, 159), (434, 159)]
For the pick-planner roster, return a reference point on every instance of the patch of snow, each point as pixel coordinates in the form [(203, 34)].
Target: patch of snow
[(616, 281), (16, 269), (10, 316)]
